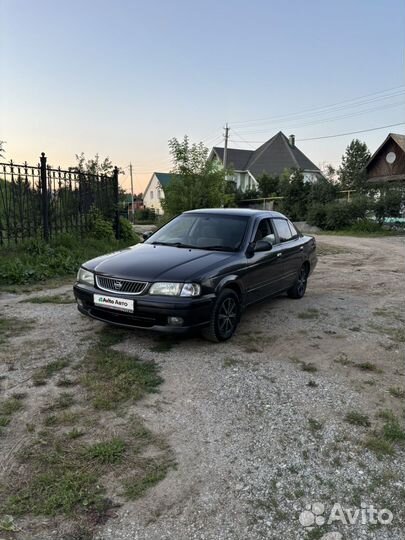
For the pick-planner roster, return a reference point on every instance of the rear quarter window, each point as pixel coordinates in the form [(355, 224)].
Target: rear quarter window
[(283, 230)]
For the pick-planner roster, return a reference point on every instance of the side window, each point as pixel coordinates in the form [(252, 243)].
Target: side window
[(283, 229), (294, 232), (265, 231)]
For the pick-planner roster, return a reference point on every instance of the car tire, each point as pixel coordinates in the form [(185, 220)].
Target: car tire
[(300, 286), (224, 318)]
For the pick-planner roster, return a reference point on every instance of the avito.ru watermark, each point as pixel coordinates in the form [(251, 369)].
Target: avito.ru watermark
[(314, 515)]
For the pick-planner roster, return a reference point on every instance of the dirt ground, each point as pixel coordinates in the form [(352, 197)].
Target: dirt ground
[(259, 426)]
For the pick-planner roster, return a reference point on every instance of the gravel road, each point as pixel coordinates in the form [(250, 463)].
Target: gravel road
[(257, 424)]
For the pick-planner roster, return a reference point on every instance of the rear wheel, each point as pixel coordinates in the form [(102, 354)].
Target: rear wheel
[(224, 318), (300, 286)]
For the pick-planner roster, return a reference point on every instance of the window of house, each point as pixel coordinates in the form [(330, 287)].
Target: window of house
[(158, 193), (151, 194), (283, 229)]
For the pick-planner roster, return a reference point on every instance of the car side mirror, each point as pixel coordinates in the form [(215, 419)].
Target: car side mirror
[(262, 245), (146, 235)]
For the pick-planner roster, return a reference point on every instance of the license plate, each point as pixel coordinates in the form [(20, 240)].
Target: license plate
[(112, 302)]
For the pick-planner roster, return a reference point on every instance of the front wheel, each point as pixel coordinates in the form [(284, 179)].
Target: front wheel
[(300, 286), (224, 318)]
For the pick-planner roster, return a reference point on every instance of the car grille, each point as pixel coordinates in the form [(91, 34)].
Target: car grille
[(118, 285)]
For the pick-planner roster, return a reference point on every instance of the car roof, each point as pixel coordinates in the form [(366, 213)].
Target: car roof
[(237, 212)]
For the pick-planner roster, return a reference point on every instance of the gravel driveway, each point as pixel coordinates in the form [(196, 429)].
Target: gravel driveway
[(258, 425)]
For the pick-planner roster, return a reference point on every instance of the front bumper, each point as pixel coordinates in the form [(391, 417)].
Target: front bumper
[(150, 312)]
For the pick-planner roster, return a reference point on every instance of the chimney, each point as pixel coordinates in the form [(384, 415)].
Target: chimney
[(291, 140)]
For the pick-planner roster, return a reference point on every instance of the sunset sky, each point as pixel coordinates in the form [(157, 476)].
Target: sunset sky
[(121, 78)]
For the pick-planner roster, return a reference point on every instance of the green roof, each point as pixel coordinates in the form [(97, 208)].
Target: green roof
[(164, 178)]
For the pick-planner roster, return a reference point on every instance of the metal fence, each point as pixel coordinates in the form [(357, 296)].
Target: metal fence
[(42, 202)]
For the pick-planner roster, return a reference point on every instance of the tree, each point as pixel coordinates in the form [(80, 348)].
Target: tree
[(389, 203), (322, 190), (352, 173), (329, 172), (295, 192), (196, 182), (269, 185), (95, 165)]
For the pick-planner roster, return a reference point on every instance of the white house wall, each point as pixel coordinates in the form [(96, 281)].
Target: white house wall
[(153, 195)]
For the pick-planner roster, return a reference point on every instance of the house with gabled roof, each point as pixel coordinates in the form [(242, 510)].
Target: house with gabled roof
[(272, 157), (155, 191), (387, 164)]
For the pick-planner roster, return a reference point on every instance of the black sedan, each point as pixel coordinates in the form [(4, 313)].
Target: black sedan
[(199, 271)]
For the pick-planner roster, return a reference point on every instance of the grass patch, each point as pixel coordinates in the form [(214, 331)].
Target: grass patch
[(314, 425), (13, 327), (383, 442), (113, 377), (63, 401), (309, 367), (35, 260), (357, 419), (368, 366), (379, 446), (65, 418), (108, 451), (152, 473), (41, 375), (230, 361), (10, 406), (397, 392), (311, 313), (343, 360), (54, 299), (312, 384)]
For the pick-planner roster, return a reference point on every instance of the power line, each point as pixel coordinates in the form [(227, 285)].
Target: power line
[(320, 110), (332, 118), (339, 134)]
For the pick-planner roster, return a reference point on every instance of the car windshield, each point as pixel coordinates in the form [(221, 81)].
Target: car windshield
[(202, 231)]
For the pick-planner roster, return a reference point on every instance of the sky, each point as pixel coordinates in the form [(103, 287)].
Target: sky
[(121, 78)]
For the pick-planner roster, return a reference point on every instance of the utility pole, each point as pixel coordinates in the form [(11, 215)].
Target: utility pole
[(226, 145), (132, 194)]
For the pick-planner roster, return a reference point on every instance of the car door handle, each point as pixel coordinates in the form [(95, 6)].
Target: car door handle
[(301, 248), (279, 254)]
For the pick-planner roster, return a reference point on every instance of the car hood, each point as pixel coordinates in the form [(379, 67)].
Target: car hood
[(147, 262)]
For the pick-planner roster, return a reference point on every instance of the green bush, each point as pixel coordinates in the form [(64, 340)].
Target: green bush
[(99, 227), (127, 232), (366, 225), (36, 261), (317, 215), (338, 215)]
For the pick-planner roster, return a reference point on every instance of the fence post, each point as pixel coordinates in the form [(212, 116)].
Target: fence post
[(44, 194), (116, 204)]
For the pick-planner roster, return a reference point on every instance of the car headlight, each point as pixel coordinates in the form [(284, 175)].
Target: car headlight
[(175, 289), (85, 276)]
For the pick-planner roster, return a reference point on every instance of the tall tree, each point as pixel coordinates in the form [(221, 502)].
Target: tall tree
[(352, 173), (269, 185), (196, 182)]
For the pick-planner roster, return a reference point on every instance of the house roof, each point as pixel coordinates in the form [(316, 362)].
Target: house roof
[(236, 157), (272, 157), (399, 139), (164, 178)]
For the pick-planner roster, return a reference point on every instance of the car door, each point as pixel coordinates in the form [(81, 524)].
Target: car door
[(291, 247), (264, 268)]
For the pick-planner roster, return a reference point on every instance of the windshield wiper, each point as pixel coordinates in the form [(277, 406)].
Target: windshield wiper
[(173, 244), (218, 248)]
